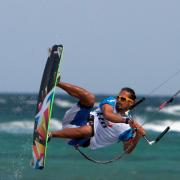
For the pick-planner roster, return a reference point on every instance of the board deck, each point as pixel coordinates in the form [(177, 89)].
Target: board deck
[(44, 106)]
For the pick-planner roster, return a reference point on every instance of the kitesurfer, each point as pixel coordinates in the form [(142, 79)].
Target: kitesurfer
[(100, 127)]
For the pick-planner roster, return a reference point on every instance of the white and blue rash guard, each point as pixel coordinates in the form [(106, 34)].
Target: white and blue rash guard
[(107, 132)]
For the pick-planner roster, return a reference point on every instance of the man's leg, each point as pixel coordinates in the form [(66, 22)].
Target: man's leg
[(73, 133), (85, 97)]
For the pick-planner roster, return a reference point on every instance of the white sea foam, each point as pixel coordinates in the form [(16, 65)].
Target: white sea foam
[(159, 126), (17, 127), (25, 126), (139, 119), (67, 104), (31, 102), (63, 103), (174, 110), (55, 124), (150, 109)]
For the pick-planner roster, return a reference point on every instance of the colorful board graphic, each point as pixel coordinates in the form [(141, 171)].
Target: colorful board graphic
[(44, 106)]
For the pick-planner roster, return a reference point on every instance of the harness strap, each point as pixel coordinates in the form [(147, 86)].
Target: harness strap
[(106, 161), (97, 161)]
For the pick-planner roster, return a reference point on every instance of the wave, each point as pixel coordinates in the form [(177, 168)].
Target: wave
[(31, 102), (68, 104), (159, 126), (172, 110), (150, 109), (25, 126), (63, 103)]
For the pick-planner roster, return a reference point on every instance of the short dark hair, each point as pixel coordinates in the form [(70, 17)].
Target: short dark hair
[(131, 92)]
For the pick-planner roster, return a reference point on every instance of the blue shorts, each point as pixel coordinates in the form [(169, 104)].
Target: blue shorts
[(75, 117)]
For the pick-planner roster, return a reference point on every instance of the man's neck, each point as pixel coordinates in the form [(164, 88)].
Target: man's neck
[(121, 111)]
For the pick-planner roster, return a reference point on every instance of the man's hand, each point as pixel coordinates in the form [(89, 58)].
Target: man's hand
[(136, 125), (131, 144)]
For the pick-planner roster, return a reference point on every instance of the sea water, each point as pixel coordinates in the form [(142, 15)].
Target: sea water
[(161, 160)]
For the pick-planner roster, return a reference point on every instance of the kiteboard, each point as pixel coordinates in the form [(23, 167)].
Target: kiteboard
[(45, 105)]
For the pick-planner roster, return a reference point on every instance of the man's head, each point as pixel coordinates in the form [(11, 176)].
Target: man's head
[(125, 99)]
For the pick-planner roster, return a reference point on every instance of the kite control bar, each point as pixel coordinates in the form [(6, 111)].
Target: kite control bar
[(158, 137)]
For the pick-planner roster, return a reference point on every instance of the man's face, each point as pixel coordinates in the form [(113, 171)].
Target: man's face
[(123, 101)]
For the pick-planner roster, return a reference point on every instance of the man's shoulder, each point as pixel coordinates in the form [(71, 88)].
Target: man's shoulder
[(109, 100)]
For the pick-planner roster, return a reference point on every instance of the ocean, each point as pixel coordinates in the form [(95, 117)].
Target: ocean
[(159, 161)]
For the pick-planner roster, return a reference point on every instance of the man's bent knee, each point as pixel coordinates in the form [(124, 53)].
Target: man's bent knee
[(88, 100), (91, 100)]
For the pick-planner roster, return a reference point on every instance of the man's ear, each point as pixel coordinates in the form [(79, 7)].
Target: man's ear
[(131, 103)]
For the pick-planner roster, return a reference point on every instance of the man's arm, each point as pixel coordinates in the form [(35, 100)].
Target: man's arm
[(110, 115), (130, 145)]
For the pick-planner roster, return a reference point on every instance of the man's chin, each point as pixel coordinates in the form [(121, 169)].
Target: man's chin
[(120, 109)]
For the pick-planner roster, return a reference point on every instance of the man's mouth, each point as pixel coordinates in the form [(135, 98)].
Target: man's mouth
[(118, 106)]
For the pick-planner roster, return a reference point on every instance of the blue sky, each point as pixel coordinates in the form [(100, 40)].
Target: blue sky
[(107, 44)]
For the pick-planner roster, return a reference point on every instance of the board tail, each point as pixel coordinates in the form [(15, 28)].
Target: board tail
[(44, 106)]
